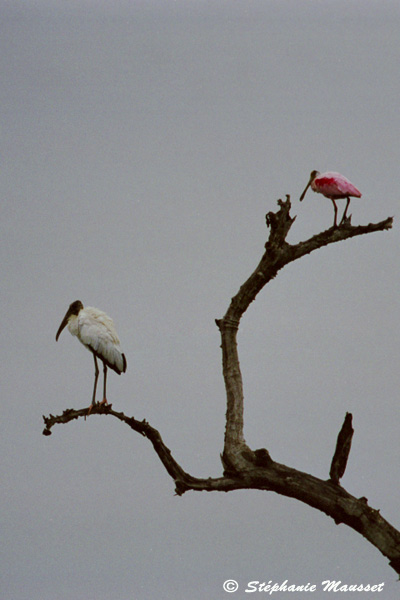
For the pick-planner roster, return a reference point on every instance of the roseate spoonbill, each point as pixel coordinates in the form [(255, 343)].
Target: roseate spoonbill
[(96, 331), (333, 186)]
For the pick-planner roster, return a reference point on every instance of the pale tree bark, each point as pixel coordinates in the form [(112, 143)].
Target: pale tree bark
[(245, 468)]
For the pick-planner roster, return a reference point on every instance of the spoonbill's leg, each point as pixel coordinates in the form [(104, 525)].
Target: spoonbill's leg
[(345, 210), (104, 401), (335, 209), (96, 376)]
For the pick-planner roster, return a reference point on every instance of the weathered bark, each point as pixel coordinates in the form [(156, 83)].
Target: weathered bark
[(243, 467), (343, 446)]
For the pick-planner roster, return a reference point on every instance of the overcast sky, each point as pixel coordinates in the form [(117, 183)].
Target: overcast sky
[(142, 143)]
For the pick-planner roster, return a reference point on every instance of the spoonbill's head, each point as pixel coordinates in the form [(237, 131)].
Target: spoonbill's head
[(313, 176), (73, 309)]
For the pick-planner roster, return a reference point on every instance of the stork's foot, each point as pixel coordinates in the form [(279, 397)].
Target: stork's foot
[(104, 401)]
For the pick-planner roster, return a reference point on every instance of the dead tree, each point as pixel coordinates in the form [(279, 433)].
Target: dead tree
[(255, 469)]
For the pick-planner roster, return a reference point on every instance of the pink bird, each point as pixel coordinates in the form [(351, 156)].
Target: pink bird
[(333, 186)]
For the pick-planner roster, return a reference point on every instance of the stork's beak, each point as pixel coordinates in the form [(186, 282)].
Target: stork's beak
[(306, 188), (64, 323)]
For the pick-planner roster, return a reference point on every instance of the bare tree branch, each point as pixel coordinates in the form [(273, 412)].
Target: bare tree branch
[(265, 474), (248, 469), (278, 253)]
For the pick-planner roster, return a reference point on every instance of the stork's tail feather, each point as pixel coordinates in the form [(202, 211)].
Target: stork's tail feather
[(117, 362)]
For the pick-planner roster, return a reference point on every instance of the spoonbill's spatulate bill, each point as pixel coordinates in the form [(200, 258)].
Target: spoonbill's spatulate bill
[(96, 331), (333, 186)]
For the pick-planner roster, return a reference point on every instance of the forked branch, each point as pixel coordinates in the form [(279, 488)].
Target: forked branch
[(278, 253), (255, 469)]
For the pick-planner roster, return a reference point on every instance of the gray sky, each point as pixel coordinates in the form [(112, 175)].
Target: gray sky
[(142, 144)]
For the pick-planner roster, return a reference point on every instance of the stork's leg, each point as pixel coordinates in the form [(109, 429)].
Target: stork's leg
[(104, 401), (335, 209), (96, 376), (345, 210)]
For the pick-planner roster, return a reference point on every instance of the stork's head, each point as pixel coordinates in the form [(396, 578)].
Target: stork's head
[(73, 309), (313, 175)]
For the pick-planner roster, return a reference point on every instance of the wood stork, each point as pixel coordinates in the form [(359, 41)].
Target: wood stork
[(333, 186), (96, 331)]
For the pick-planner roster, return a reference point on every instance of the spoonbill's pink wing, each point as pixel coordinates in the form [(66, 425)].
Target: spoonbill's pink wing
[(335, 185)]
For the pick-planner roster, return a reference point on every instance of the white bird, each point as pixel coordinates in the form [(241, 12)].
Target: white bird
[(96, 331)]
